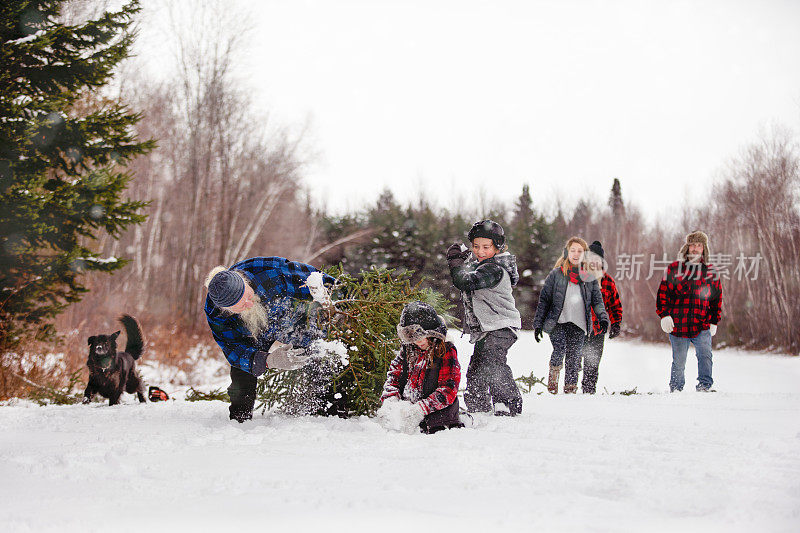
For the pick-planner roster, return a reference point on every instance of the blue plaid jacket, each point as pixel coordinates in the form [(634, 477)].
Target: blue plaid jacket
[(280, 285)]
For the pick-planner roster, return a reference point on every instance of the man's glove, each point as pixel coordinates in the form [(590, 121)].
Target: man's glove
[(603, 326), (537, 334), (667, 324), (456, 256), (287, 358), (713, 329), (614, 331)]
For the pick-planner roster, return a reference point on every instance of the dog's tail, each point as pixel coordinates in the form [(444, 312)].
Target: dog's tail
[(135, 343)]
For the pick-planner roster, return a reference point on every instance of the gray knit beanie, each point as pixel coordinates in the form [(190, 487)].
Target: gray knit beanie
[(226, 288)]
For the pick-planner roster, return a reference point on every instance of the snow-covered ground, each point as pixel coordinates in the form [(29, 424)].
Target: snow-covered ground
[(727, 461)]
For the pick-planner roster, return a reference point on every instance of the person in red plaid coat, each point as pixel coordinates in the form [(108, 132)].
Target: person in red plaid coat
[(421, 387), (689, 302), (593, 348)]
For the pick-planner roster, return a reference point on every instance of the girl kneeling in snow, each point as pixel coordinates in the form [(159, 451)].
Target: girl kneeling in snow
[(421, 389)]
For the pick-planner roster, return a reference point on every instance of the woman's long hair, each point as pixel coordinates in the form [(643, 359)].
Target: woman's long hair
[(563, 262), (438, 351)]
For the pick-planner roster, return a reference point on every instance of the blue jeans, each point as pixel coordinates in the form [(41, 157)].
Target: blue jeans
[(680, 347)]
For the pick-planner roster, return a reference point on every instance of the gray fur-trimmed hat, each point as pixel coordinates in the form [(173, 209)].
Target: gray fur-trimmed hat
[(695, 237), (419, 320)]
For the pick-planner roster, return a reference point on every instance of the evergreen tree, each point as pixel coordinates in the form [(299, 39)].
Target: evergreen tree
[(582, 219), (560, 229), (62, 162), (409, 239), (615, 200), (393, 236), (530, 238)]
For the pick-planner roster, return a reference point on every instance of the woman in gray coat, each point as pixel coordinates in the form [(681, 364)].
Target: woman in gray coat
[(564, 312)]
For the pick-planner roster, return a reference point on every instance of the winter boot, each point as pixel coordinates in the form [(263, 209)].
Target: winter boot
[(507, 408), (552, 379), (240, 414), (570, 388), (502, 409)]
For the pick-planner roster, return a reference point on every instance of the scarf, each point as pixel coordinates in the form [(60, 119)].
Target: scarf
[(574, 274)]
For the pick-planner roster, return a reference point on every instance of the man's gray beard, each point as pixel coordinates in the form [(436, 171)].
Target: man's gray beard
[(255, 319)]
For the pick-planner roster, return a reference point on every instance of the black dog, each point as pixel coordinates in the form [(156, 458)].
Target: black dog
[(111, 373)]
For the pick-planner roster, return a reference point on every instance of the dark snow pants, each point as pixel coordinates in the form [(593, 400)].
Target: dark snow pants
[(242, 393), (592, 352), (567, 340), (489, 378)]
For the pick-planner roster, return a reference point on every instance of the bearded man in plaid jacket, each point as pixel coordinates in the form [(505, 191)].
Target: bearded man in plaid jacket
[(689, 302), (258, 313)]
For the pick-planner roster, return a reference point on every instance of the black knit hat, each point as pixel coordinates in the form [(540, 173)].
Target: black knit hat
[(226, 288), (488, 229), (597, 248)]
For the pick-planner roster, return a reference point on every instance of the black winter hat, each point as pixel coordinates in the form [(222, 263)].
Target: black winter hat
[(597, 248), (488, 229), (423, 315)]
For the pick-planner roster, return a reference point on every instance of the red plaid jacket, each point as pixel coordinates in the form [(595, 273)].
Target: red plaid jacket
[(692, 295), (611, 300), (445, 393)]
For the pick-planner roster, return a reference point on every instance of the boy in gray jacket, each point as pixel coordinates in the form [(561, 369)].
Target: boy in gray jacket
[(490, 317)]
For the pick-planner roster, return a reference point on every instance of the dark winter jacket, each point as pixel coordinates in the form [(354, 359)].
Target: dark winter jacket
[(551, 301), (280, 284), (435, 384), (486, 290), (691, 293)]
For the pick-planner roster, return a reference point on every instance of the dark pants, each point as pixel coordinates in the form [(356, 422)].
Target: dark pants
[(592, 352), (489, 378), (567, 340), (242, 393)]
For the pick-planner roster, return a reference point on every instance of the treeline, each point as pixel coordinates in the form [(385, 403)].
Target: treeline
[(222, 186), (415, 237), (751, 216)]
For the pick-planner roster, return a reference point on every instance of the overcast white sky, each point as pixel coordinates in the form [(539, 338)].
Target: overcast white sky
[(564, 95)]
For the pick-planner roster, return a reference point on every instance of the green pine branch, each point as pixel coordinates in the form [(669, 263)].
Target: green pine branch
[(365, 313)]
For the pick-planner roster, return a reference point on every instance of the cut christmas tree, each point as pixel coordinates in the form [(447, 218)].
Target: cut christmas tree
[(359, 317)]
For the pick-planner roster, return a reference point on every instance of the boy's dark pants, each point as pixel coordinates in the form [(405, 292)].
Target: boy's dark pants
[(592, 352), (242, 393), (489, 378), (567, 340)]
